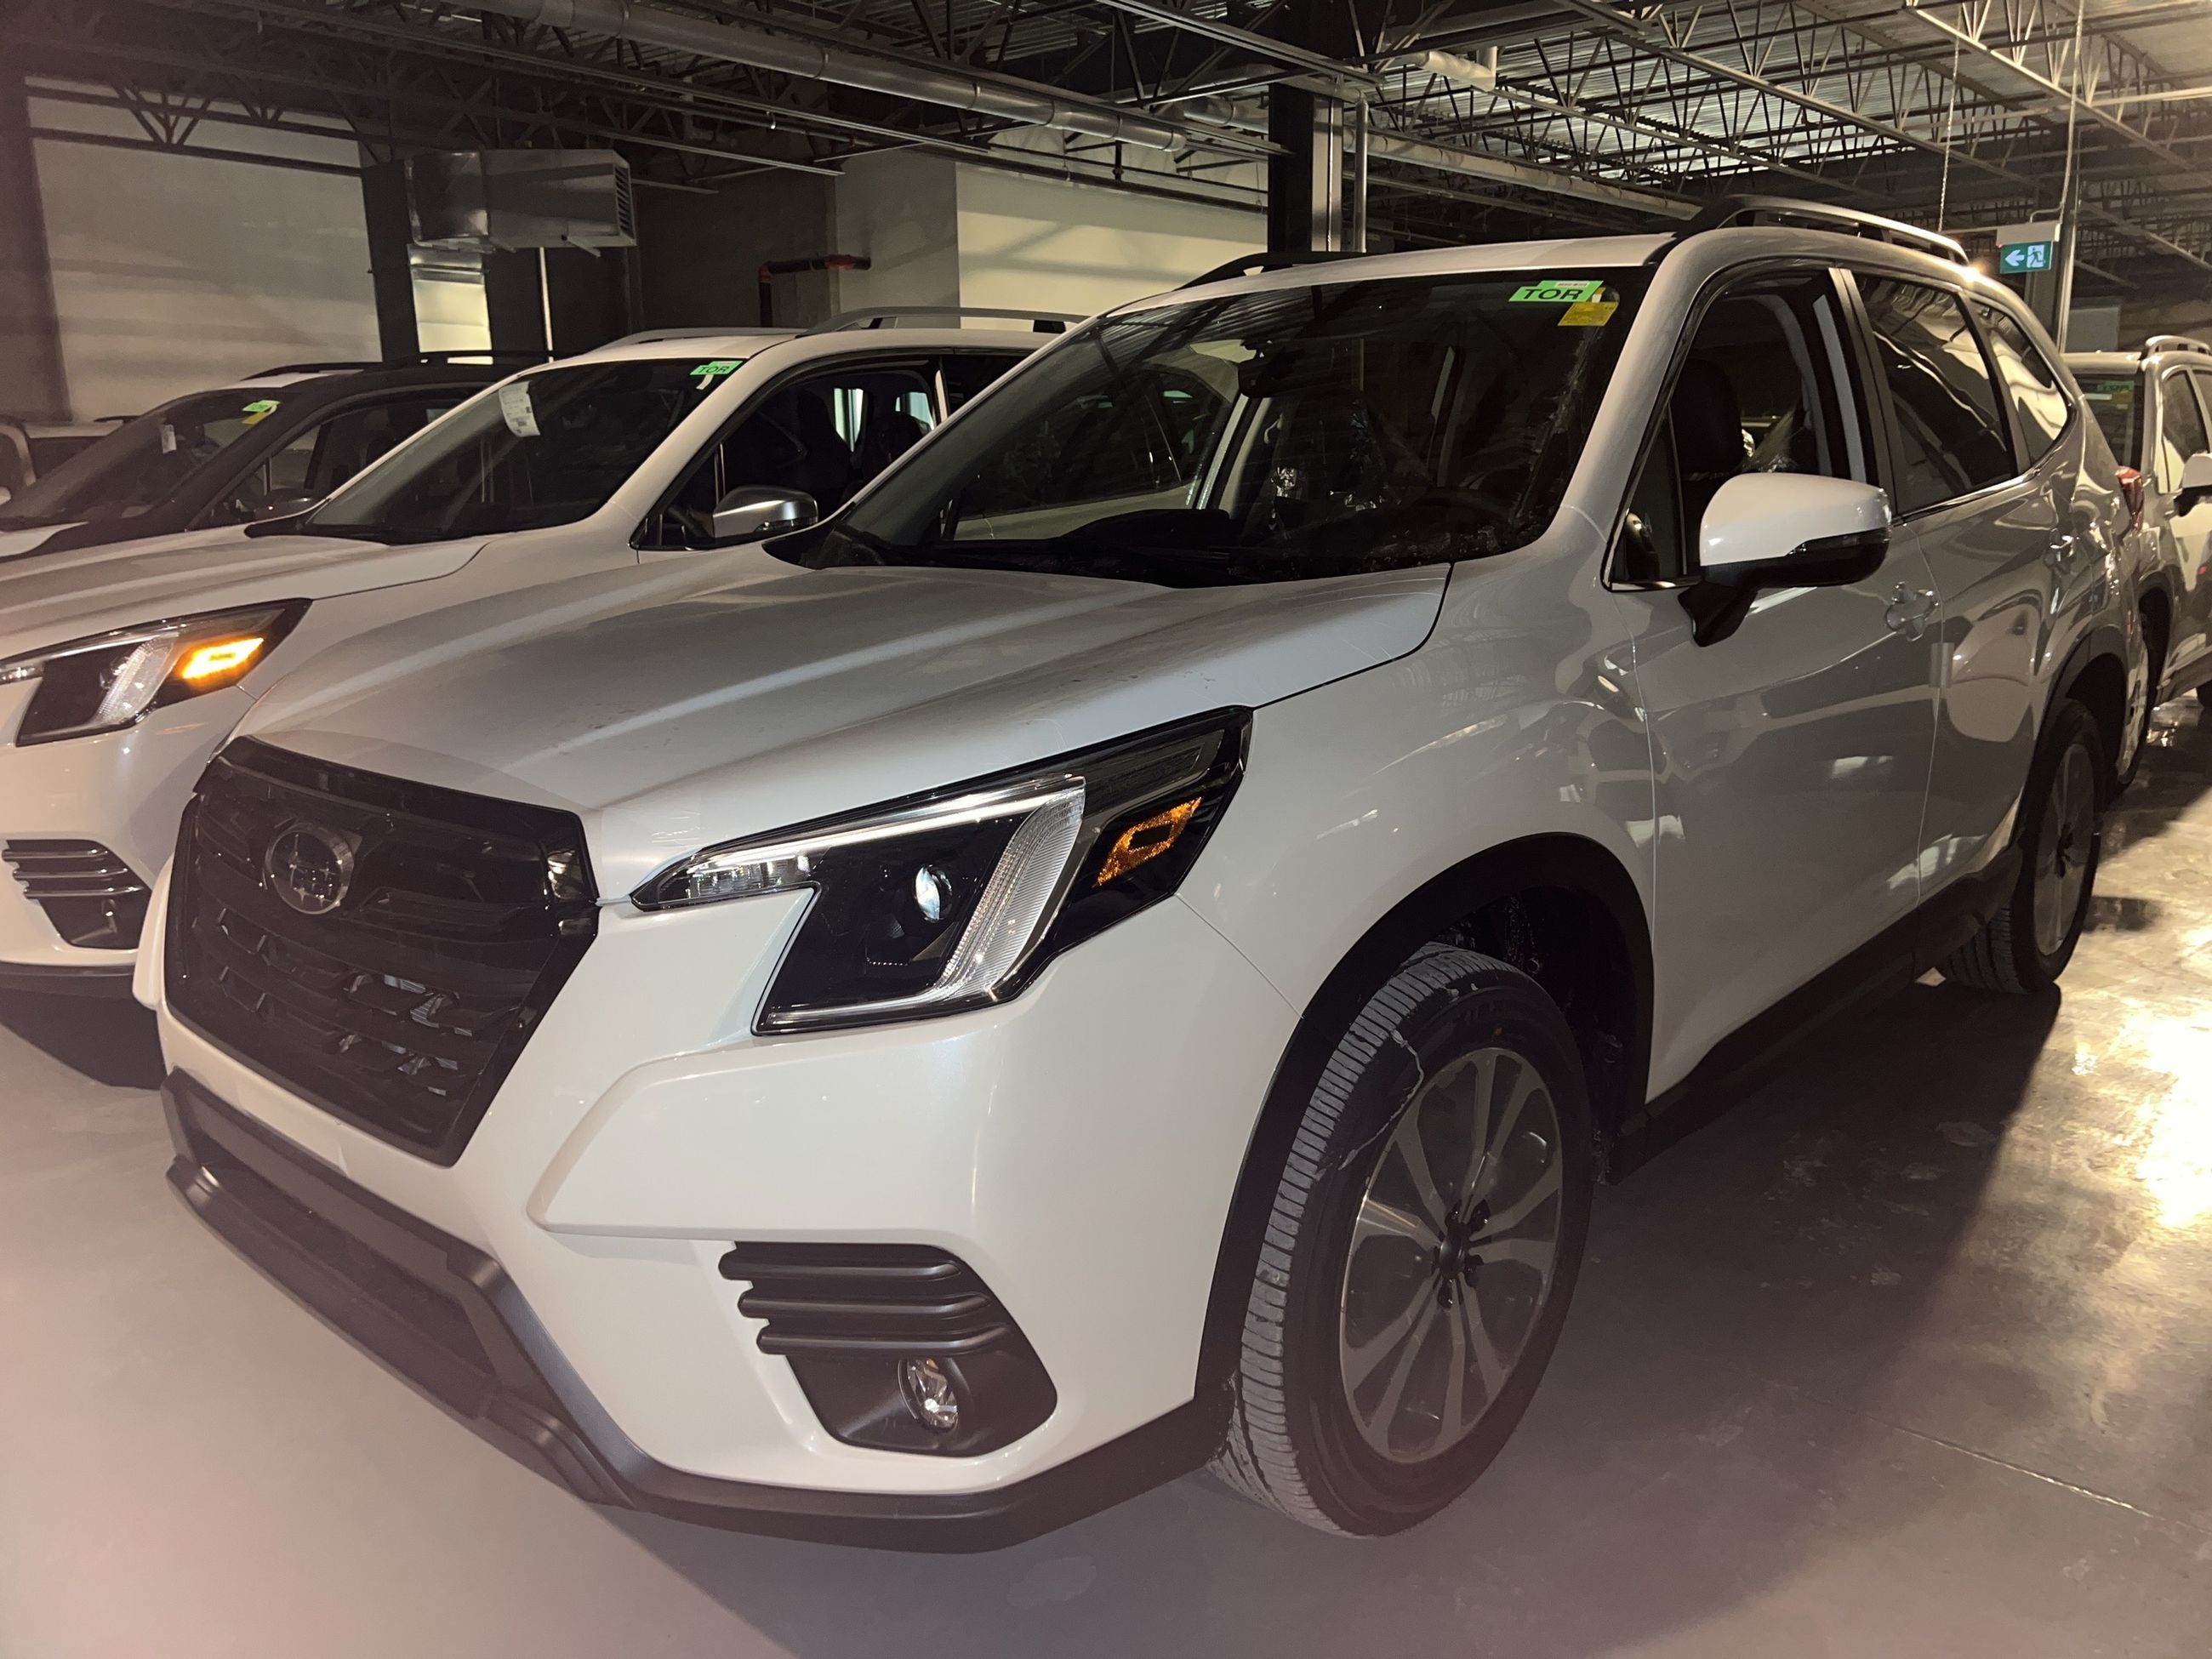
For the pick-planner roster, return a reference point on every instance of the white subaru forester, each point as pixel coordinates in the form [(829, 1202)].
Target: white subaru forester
[(1131, 943)]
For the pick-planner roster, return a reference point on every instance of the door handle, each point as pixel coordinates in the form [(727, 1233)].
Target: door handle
[(1909, 611), (2061, 551)]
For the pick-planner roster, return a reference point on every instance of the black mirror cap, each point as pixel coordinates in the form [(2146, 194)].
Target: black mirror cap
[(1825, 561)]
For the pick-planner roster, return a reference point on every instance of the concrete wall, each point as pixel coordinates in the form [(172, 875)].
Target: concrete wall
[(700, 256), (901, 209), (1080, 248), (172, 273)]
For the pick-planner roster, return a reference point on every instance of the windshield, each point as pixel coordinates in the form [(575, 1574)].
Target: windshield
[(143, 462), (2112, 399), (1263, 437), (546, 448)]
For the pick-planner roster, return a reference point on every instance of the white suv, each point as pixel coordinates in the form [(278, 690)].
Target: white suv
[(2155, 406), (1132, 944), (124, 668)]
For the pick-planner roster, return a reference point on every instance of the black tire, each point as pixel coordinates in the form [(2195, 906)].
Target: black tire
[(2016, 951), (1451, 1037), (2153, 636)]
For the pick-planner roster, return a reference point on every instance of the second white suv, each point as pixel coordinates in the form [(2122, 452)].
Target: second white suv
[(123, 668), (1132, 944), (2155, 406)]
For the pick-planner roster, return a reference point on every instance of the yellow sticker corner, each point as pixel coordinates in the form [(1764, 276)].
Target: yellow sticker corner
[(1588, 314)]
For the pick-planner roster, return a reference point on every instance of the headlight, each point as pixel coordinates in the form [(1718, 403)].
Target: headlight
[(955, 899), (110, 681)]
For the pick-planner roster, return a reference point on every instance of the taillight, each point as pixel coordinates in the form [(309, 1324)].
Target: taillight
[(2131, 490)]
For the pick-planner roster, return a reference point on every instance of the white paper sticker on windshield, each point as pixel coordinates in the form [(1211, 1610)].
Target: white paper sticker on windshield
[(514, 405), (168, 439)]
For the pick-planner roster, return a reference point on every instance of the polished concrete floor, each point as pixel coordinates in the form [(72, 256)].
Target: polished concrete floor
[(1910, 1355)]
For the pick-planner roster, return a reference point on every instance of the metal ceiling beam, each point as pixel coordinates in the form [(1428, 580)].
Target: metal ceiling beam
[(1387, 146), (1005, 99)]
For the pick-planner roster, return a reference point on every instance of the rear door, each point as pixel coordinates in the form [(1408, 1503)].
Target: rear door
[(1997, 534)]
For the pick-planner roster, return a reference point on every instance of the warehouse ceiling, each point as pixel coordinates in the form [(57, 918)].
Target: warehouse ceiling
[(1484, 120)]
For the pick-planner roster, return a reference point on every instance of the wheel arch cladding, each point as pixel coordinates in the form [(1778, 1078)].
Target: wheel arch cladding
[(2096, 676), (1560, 907), (2156, 608)]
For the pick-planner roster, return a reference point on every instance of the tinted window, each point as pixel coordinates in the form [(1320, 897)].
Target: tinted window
[(2039, 401), (2180, 428), (2116, 400), (1952, 441), (143, 462), (325, 455), (968, 372), (1260, 437), (825, 437), (545, 448)]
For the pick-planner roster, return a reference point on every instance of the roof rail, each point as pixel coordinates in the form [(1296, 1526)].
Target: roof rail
[(418, 360), (662, 336), (1252, 265), (1040, 322), (1739, 210), (2175, 343)]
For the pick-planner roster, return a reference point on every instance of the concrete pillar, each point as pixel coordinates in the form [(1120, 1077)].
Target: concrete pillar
[(391, 237), (33, 380), (1305, 182)]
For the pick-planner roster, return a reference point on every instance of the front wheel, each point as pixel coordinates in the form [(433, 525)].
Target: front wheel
[(1425, 1240), (2026, 945)]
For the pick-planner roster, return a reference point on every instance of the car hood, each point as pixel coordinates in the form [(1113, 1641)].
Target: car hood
[(51, 600), (672, 708)]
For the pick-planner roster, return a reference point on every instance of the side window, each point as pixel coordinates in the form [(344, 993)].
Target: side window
[(826, 437), (2180, 428), (320, 457), (2039, 405), (967, 372), (1761, 389), (1951, 437)]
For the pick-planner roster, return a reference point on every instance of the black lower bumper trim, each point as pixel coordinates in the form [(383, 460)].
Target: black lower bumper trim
[(69, 981), (443, 1315)]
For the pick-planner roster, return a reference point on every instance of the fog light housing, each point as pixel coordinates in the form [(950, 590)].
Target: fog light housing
[(896, 1346), (930, 1395)]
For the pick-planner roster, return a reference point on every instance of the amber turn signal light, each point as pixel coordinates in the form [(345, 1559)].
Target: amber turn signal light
[(220, 660), (1141, 842)]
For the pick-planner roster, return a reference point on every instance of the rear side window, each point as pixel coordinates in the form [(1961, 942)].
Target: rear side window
[(1951, 435), (2038, 399), (968, 372), (2180, 428), (2116, 400)]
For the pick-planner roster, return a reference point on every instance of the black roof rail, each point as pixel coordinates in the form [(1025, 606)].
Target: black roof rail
[(2175, 343), (1040, 322), (1741, 210), (419, 360), (1252, 265)]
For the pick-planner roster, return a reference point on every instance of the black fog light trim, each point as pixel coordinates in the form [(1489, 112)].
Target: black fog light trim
[(95, 900), (852, 1318)]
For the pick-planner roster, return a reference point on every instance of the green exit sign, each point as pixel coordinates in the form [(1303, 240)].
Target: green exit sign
[(2021, 257)]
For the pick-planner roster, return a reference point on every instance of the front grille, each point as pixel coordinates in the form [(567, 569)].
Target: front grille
[(91, 895), (848, 1317), (401, 1004)]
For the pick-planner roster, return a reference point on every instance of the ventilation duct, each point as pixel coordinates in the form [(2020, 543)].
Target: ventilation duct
[(515, 198)]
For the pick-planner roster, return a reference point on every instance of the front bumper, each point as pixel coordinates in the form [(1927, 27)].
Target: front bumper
[(125, 790), (1077, 1147), (444, 1315)]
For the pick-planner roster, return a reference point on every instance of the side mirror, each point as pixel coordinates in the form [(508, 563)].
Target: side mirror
[(752, 511), (283, 504), (2196, 483), (1765, 530)]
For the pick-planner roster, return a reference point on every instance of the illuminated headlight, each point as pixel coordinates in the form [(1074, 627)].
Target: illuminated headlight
[(113, 680), (957, 898)]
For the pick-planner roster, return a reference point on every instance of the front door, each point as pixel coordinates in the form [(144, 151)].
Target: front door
[(1792, 755)]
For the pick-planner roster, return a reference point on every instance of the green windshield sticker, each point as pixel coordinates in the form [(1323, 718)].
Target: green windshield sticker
[(1555, 292), (259, 409), (708, 374)]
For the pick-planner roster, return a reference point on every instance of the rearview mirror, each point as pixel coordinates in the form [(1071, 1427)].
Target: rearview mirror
[(752, 511), (2196, 483), (283, 504)]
